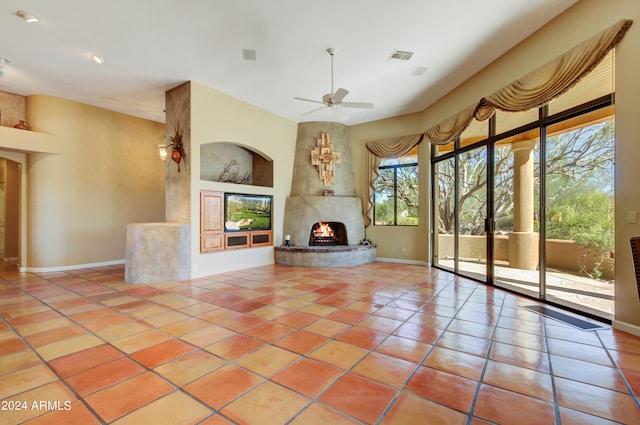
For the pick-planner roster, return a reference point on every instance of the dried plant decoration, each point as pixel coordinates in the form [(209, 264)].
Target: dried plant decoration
[(178, 153)]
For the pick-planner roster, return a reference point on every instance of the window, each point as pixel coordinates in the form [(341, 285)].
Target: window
[(396, 196)]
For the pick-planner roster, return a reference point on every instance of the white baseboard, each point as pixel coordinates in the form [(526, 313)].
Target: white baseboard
[(626, 327), (71, 267), (402, 261)]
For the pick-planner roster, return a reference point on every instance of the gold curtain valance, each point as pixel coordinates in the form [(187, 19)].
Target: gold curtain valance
[(537, 87), (393, 147), (452, 128)]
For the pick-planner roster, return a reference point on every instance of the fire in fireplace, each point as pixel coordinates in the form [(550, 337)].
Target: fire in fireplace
[(328, 234)]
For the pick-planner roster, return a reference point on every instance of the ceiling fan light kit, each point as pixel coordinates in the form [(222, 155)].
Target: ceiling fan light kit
[(333, 100)]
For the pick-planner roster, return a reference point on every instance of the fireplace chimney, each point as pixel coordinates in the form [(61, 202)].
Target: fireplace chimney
[(323, 149)]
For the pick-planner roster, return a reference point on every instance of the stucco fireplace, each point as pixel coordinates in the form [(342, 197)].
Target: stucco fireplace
[(313, 201)]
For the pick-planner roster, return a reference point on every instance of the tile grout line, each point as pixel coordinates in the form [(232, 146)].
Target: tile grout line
[(60, 379), (370, 351), (424, 357), (23, 287), (556, 405), (634, 397), (305, 356), (176, 388), (114, 308), (472, 407), (108, 343)]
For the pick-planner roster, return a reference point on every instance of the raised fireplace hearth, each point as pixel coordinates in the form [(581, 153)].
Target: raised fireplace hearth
[(325, 256)]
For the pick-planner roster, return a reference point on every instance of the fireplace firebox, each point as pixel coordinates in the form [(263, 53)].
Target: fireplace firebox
[(328, 233)]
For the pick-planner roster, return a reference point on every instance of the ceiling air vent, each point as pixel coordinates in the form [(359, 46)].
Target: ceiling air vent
[(400, 55), (248, 54)]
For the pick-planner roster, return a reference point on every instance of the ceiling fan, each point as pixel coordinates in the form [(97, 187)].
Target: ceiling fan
[(333, 100)]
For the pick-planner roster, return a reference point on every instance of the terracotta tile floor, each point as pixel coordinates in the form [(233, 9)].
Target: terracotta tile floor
[(377, 344)]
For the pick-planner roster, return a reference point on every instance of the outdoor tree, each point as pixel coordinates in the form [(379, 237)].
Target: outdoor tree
[(403, 181)]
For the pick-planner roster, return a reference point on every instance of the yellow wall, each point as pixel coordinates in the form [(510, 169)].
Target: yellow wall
[(81, 200), (217, 117), (403, 243)]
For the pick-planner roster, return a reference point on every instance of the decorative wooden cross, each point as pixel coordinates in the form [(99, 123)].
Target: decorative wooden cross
[(325, 158)]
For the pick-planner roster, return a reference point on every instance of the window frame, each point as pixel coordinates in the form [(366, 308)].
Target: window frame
[(395, 168), (544, 121)]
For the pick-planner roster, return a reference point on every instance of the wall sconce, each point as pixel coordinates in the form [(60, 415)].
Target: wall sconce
[(162, 152), (178, 152), (28, 18)]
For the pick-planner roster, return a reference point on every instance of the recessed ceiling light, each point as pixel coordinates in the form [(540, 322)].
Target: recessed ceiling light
[(29, 18), (97, 59)]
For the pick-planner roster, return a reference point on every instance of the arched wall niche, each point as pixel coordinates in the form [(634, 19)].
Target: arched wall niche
[(230, 162)]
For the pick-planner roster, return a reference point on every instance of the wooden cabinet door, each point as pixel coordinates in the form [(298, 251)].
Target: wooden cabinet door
[(211, 221), (211, 241), (211, 212)]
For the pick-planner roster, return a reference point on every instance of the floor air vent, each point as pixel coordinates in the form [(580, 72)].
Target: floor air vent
[(565, 318)]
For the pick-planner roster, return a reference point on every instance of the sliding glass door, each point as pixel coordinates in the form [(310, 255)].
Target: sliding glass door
[(580, 215), (530, 209), (444, 214), (472, 212)]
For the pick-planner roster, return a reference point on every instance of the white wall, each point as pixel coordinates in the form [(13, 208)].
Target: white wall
[(217, 117)]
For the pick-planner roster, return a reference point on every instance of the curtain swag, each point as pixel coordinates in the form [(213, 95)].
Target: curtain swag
[(385, 148), (537, 87)]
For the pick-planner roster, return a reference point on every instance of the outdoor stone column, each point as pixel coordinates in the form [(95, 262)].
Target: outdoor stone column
[(523, 241)]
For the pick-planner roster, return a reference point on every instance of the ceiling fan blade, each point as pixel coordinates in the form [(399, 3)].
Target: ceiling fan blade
[(309, 100), (314, 110), (339, 95), (361, 105), (340, 112)]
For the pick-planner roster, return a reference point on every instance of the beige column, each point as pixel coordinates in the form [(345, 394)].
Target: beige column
[(523, 241)]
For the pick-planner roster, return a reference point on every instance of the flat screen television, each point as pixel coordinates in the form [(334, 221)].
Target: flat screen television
[(243, 212)]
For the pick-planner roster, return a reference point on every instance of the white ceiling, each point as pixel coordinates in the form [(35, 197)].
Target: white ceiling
[(151, 46)]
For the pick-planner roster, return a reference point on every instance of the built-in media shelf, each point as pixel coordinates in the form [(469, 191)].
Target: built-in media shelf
[(253, 239), (212, 232)]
